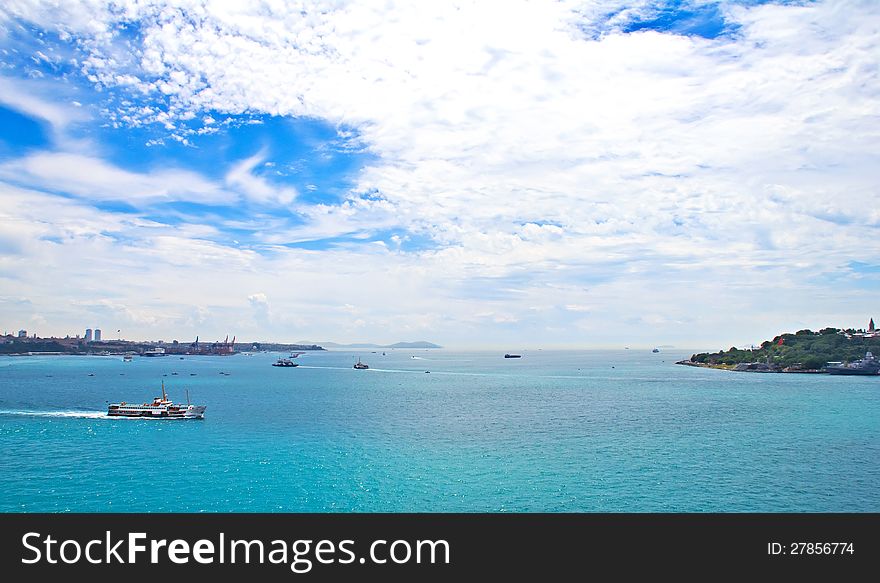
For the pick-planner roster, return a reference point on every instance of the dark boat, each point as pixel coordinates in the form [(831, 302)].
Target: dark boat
[(513, 356), (867, 366), (360, 365), (286, 362)]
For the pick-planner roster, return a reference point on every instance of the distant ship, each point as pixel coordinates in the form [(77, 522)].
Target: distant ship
[(360, 365), (284, 362), (126, 358), (656, 350), (512, 356), (154, 352), (866, 366), (160, 408)]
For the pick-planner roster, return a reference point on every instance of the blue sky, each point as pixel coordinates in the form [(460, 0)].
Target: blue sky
[(605, 173)]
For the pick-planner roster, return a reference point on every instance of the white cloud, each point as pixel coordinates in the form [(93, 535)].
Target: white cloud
[(242, 179), (95, 179), (538, 149), (28, 97)]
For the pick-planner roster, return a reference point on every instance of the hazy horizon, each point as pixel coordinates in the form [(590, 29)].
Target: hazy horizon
[(574, 173)]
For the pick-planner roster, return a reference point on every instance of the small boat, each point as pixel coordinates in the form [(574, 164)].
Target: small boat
[(126, 358), (513, 356), (360, 365), (656, 350), (283, 362)]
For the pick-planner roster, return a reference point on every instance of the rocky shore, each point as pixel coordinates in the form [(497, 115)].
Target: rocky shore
[(753, 367)]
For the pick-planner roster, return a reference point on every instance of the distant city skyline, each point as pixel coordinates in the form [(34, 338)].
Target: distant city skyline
[(868, 331), (519, 174)]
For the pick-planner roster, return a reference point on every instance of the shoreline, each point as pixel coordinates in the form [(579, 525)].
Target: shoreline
[(733, 368)]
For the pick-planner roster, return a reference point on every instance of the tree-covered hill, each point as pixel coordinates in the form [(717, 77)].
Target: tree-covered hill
[(804, 349)]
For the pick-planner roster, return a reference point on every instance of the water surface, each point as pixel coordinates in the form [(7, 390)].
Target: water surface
[(558, 431)]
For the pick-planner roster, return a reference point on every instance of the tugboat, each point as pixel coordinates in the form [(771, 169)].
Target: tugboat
[(866, 366), (284, 362), (160, 408), (360, 365), (513, 356)]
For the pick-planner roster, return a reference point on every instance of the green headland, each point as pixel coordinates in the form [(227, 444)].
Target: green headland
[(801, 351)]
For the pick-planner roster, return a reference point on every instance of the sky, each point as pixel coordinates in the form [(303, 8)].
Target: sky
[(510, 174)]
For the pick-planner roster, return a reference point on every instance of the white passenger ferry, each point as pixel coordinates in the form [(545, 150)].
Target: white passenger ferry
[(160, 408)]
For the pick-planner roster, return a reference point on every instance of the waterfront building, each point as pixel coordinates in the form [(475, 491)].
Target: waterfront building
[(88, 336), (97, 334), (22, 333)]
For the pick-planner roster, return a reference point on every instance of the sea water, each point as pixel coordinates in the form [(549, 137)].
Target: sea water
[(556, 431)]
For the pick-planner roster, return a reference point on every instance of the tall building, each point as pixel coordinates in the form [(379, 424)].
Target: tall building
[(871, 326), (97, 334), (22, 333), (88, 337)]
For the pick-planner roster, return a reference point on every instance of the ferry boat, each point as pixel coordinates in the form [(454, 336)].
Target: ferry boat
[(512, 356), (161, 408), (158, 351), (866, 366), (360, 365), (284, 362)]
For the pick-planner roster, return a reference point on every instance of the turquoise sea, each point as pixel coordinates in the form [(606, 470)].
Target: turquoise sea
[(557, 431)]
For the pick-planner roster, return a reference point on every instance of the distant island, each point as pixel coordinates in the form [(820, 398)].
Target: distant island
[(804, 351), (411, 345)]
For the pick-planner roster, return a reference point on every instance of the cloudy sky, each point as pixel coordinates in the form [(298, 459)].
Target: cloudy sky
[(571, 173)]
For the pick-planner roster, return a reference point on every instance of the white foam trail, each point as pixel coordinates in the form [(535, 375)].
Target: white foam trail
[(63, 414)]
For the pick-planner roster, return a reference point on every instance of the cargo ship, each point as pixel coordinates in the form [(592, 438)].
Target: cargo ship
[(161, 408)]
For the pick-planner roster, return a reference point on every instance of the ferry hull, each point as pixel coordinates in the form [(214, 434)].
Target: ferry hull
[(190, 412)]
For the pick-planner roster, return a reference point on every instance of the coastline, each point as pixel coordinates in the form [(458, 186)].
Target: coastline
[(740, 368)]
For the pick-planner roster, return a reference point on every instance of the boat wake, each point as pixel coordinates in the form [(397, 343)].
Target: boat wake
[(56, 414)]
